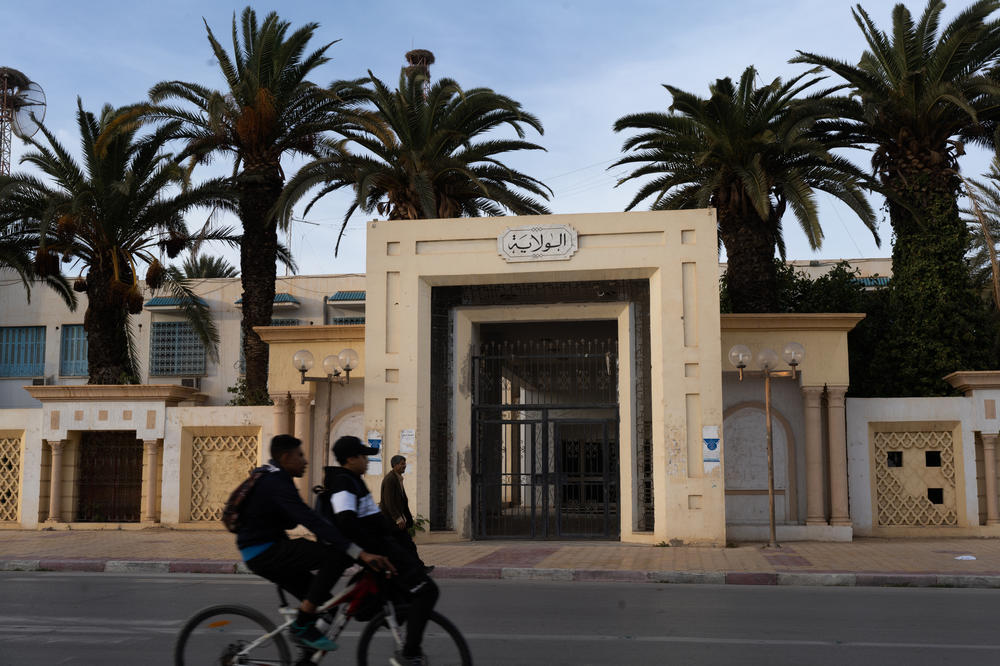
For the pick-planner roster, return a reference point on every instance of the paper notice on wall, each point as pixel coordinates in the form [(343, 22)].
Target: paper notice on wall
[(407, 441), (375, 465), (375, 439), (710, 449)]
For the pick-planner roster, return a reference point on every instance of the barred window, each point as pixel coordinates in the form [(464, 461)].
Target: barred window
[(73, 351), (175, 349), (22, 351), (274, 322)]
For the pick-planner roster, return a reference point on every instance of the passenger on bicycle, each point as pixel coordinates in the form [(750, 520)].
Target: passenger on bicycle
[(274, 506), (360, 519)]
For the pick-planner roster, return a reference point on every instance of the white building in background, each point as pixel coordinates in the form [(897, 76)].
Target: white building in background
[(42, 342)]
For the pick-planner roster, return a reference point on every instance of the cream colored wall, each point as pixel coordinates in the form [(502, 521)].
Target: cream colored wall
[(322, 341), (28, 423), (676, 251)]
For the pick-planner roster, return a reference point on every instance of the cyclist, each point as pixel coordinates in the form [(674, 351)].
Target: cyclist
[(360, 519), (274, 506)]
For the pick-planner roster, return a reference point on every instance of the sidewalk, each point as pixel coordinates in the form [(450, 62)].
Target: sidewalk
[(909, 562)]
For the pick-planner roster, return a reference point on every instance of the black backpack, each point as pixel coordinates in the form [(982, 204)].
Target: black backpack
[(323, 506), (231, 509)]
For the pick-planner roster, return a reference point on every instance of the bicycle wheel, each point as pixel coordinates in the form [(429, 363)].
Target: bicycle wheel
[(216, 635), (443, 643)]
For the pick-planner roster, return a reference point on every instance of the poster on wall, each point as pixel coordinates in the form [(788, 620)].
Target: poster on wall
[(375, 439), (407, 441), (710, 447), (375, 461)]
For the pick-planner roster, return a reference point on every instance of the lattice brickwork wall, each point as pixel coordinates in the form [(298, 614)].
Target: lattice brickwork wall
[(10, 479), (901, 492), (219, 463)]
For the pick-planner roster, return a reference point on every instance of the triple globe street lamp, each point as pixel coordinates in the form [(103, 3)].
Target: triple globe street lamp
[(767, 360), (338, 371)]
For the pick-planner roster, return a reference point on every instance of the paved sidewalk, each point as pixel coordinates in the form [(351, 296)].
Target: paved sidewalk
[(923, 562)]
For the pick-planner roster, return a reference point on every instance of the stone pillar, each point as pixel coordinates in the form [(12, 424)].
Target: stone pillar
[(840, 513), (302, 431), (150, 449), (990, 476), (55, 485), (811, 397), (281, 420)]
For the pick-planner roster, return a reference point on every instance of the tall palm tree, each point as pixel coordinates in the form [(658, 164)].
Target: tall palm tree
[(117, 210), (917, 95), (750, 152), (268, 110), (427, 152)]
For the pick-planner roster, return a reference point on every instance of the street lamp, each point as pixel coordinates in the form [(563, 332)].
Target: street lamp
[(333, 366), (767, 361)]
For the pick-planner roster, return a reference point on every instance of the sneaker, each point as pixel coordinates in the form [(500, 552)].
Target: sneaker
[(399, 660), (311, 637)]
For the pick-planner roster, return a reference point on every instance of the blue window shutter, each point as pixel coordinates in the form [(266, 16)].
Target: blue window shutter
[(73, 351), (22, 351)]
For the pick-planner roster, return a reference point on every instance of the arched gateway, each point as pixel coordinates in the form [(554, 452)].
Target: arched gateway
[(550, 377)]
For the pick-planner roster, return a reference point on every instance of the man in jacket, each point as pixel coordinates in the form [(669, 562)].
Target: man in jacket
[(360, 519), (396, 506), (274, 506)]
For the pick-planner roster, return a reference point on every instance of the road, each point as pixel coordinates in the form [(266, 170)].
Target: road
[(98, 619)]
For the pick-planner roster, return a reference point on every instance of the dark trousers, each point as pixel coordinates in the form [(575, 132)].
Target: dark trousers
[(290, 564), (420, 591)]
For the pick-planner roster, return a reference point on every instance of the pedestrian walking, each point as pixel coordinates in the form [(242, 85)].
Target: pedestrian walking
[(396, 506)]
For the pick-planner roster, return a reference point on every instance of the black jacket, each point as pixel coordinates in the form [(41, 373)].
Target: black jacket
[(274, 505), (354, 509)]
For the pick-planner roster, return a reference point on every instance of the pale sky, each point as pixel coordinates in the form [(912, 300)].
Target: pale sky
[(576, 65)]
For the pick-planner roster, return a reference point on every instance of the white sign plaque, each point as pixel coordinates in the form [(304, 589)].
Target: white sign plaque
[(542, 242)]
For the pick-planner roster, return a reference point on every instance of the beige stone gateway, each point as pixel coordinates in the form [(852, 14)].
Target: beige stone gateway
[(551, 377)]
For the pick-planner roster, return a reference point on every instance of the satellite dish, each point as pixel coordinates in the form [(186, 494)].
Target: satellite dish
[(28, 106)]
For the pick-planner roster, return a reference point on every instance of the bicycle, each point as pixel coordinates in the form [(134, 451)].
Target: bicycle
[(235, 635)]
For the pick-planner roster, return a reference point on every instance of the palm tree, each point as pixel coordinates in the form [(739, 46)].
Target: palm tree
[(200, 266), (750, 152), (18, 240), (426, 152), (120, 208), (268, 110), (917, 96)]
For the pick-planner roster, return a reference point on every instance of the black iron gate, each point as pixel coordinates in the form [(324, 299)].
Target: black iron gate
[(545, 440), (110, 477)]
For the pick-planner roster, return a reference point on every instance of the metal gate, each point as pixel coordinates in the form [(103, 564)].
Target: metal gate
[(110, 477), (545, 440)]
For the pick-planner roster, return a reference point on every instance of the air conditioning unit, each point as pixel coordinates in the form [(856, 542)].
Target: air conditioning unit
[(191, 382)]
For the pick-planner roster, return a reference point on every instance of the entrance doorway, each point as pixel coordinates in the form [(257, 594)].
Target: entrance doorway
[(110, 477), (545, 431)]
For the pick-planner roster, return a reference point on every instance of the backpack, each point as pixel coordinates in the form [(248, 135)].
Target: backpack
[(323, 505), (231, 509)]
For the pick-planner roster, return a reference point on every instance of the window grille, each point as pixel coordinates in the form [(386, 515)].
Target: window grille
[(73, 351), (175, 349), (347, 321), (22, 351)]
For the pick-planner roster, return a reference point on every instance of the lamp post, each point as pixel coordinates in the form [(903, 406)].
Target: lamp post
[(333, 366), (767, 360)]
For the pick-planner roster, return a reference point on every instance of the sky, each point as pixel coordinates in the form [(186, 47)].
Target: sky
[(578, 65)]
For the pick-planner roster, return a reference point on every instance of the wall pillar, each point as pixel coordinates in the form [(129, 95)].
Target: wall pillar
[(282, 424), (302, 432), (814, 455), (55, 485), (150, 449), (839, 509), (990, 476)]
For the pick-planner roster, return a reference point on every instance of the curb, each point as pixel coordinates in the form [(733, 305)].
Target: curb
[(811, 579)]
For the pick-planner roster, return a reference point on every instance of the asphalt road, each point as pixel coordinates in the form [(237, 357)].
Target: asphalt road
[(98, 619)]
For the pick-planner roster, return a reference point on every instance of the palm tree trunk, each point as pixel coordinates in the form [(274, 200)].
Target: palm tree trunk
[(937, 320), (750, 271), (106, 322), (258, 254)]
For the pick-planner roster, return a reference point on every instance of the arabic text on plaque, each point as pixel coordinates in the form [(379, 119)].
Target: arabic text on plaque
[(544, 242)]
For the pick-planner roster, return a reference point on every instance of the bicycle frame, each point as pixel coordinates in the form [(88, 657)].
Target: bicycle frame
[(347, 603)]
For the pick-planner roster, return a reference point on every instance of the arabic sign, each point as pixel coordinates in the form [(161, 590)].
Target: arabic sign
[(545, 242)]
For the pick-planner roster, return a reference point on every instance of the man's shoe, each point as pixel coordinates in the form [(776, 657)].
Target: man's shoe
[(311, 637), (399, 660)]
